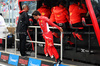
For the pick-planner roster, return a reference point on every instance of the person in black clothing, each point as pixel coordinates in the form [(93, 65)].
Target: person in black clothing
[(22, 27)]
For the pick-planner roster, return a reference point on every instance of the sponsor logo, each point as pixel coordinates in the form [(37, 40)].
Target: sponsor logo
[(13, 60), (43, 13), (22, 61), (34, 62), (44, 65), (84, 50), (70, 14), (58, 15), (3, 57)]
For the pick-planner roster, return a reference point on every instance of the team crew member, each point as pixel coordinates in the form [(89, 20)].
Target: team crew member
[(75, 16), (44, 10), (61, 17), (59, 13), (22, 27), (44, 23)]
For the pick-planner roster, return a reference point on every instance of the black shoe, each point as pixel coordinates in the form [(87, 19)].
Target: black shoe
[(58, 62), (26, 55)]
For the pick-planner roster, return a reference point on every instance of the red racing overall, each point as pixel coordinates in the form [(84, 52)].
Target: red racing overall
[(48, 37)]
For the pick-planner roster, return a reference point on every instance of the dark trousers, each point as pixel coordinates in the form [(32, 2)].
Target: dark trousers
[(66, 31), (22, 38), (79, 24), (64, 27)]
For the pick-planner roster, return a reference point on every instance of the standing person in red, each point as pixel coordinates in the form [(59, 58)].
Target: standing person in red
[(75, 17), (44, 10), (44, 23)]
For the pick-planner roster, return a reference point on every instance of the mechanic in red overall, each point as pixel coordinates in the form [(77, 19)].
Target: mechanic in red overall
[(75, 17), (61, 17), (44, 10), (44, 23)]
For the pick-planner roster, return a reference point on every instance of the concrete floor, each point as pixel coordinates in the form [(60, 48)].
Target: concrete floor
[(4, 64)]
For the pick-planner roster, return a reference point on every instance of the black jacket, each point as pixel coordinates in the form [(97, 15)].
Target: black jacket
[(23, 23)]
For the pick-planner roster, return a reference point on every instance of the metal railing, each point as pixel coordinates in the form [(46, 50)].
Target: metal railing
[(36, 42), (5, 38)]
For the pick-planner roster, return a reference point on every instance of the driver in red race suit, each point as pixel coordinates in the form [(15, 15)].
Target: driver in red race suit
[(44, 23)]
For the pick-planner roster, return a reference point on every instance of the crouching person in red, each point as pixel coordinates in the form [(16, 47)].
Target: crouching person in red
[(44, 23)]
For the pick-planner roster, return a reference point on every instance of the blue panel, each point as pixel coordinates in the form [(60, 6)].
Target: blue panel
[(13, 59), (34, 62), (0, 54)]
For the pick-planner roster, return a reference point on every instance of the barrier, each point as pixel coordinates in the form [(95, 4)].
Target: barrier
[(3, 34), (17, 60)]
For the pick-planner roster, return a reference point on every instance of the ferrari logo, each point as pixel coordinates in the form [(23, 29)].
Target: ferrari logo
[(49, 44), (58, 15), (70, 14), (43, 13), (54, 7), (41, 21)]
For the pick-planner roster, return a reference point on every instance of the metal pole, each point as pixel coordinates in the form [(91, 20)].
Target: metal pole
[(6, 42), (35, 42), (61, 46), (15, 40), (9, 12), (12, 11), (89, 40)]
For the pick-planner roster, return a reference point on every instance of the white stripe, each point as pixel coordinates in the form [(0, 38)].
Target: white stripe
[(48, 27)]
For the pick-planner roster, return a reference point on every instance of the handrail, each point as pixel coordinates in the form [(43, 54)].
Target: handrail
[(39, 27), (37, 42)]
